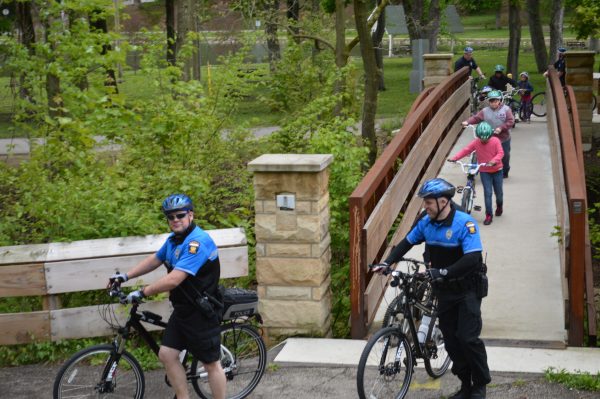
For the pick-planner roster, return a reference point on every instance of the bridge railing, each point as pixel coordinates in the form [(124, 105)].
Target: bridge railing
[(569, 173), (416, 153)]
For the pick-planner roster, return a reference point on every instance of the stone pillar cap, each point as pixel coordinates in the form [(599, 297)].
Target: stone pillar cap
[(290, 163)]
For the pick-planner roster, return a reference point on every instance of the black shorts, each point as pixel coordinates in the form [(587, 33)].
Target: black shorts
[(191, 331)]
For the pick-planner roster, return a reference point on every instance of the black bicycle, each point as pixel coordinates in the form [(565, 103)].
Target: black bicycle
[(110, 371), (387, 363), (539, 104), (475, 93)]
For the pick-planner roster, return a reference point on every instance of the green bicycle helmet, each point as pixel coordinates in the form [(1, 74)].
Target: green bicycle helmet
[(499, 68), (484, 131), (495, 94)]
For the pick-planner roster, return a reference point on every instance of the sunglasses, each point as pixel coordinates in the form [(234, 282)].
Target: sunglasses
[(174, 216)]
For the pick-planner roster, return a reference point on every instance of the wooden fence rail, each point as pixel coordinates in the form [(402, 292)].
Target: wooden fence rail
[(48, 270), (564, 127), (428, 134)]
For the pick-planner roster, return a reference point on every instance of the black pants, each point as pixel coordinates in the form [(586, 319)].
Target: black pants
[(460, 322)]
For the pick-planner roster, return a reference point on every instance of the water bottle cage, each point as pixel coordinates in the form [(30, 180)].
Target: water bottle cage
[(459, 189)]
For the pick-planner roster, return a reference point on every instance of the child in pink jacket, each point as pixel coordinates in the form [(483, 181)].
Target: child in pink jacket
[(489, 151)]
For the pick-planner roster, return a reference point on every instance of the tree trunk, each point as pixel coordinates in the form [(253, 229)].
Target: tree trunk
[(413, 10), (432, 29), (99, 23), (361, 15), (27, 39), (272, 10), (499, 16), (423, 21), (341, 54), (293, 15), (171, 39), (377, 38), (537, 35), (556, 28), (514, 41), (184, 24)]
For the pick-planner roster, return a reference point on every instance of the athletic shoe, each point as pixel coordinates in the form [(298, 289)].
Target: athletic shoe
[(488, 220)]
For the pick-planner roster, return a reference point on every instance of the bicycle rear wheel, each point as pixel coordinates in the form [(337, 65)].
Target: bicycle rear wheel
[(437, 360), (539, 104), (243, 357), (94, 372), (386, 366)]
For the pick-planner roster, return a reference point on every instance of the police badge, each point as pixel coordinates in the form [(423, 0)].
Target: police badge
[(193, 247)]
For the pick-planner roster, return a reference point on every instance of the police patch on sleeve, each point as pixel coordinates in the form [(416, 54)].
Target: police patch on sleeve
[(471, 227), (193, 247)]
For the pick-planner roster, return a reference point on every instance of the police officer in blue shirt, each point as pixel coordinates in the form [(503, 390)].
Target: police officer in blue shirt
[(191, 258), (468, 60), (454, 246)]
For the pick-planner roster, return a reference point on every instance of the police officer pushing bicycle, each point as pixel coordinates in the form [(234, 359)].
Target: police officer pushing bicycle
[(459, 282)]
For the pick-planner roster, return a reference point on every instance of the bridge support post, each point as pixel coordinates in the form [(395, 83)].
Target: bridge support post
[(293, 243), (437, 68), (580, 69)]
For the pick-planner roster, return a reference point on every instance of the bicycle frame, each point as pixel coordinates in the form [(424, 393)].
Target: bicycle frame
[(404, 281)]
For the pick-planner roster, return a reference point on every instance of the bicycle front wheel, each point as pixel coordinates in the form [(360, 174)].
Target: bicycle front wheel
[(393, 315), (467, 199), (98, 372), (539, 104), (243, 357), (386, 366), (437, 359)]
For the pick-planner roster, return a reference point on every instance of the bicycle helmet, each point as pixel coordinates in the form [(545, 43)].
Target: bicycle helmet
[(484, 131), (497, 94), (486, 89), (562, 50), (436, 188), (177, 202), (524, 74), (468, 50), (499, 68)]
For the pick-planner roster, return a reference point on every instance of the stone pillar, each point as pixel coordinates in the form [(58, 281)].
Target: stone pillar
[(437, 68), (293, 243), (580, 65)]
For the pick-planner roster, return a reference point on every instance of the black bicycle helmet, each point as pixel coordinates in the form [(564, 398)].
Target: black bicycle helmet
[(177, 202), (436, 188)]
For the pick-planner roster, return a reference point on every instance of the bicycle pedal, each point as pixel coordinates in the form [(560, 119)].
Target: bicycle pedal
[(477, 208)]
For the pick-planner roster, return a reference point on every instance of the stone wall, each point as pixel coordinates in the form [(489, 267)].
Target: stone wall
[(293, 243)]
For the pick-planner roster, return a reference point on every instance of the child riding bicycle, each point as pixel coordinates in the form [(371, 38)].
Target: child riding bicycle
[(525, 89), (489, 151)]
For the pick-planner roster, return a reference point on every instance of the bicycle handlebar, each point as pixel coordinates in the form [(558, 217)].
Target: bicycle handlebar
[(467, 168), (114, 291)]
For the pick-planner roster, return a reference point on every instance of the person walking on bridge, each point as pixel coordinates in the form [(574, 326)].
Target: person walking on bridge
[(489, 151), (501, 118), (454, 246)]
